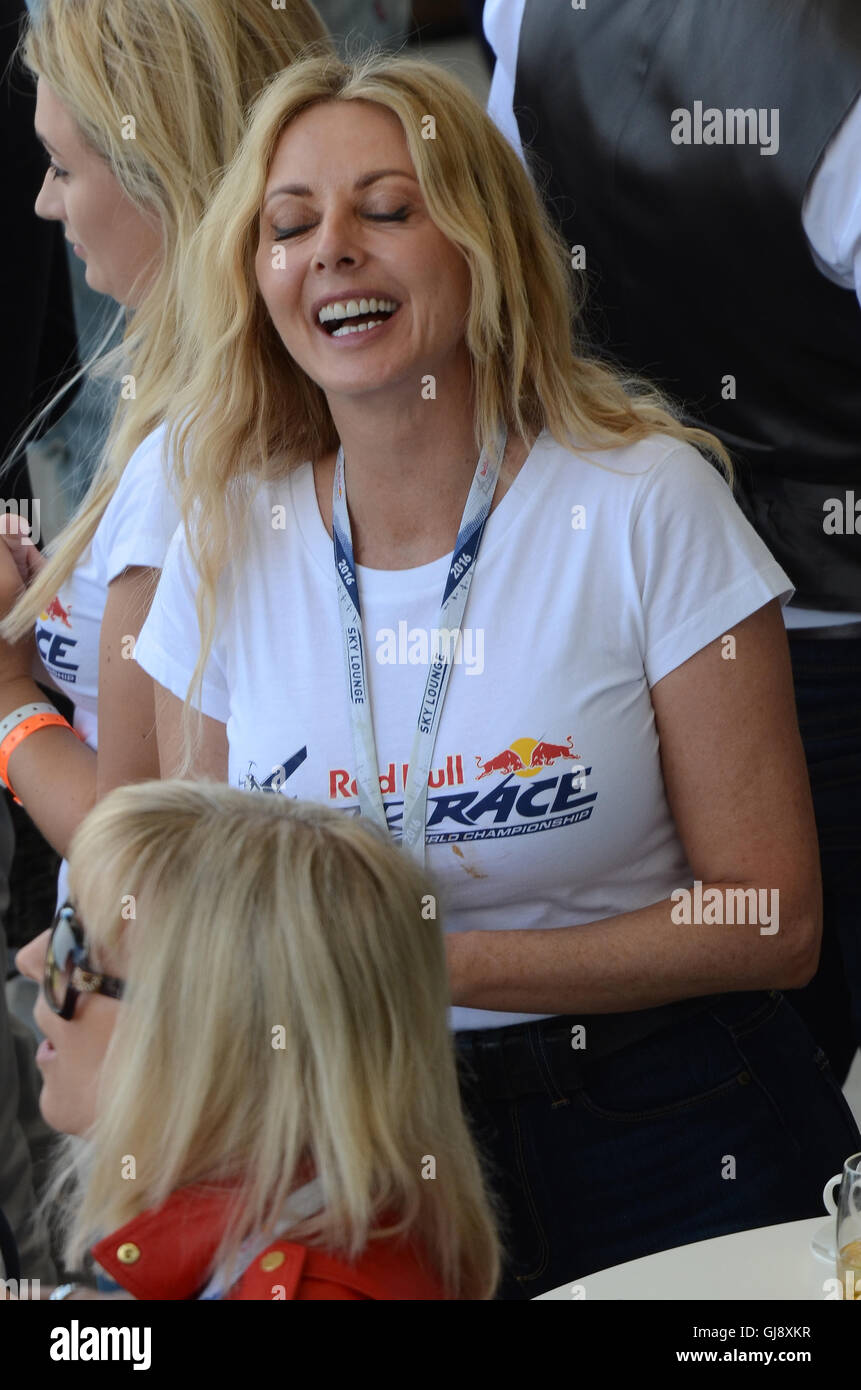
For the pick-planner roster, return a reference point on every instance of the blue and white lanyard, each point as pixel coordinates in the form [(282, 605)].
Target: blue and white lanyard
[(458, 581)]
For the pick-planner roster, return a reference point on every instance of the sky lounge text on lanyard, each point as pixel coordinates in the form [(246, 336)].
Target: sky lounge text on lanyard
[(460, 572)]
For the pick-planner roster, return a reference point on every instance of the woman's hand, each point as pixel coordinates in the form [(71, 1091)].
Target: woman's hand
[(12, 582), (18, 563), (15, 534)]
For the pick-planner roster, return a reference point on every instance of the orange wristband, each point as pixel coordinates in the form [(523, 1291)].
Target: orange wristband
[(17, 736)]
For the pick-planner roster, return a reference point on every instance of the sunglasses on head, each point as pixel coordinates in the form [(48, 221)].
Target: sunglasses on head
[(68, 972)]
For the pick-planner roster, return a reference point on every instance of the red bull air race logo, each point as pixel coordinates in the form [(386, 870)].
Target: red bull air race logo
[(524, 797), (54, 646)]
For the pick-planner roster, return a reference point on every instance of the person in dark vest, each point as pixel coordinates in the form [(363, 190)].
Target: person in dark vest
[(702, 159)]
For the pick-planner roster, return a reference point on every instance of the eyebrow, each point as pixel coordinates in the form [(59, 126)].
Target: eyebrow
[(301, 190), (48, 146)]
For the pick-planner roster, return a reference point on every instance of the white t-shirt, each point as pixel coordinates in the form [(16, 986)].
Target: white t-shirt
[(135, 529), (831, 213), (547, 726)]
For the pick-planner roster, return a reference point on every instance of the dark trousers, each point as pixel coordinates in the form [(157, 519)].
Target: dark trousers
[(724, 1121), (828, 696)]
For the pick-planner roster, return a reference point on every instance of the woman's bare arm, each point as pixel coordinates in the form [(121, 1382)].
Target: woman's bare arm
[(737, 786), (211, 754), (56, 776)]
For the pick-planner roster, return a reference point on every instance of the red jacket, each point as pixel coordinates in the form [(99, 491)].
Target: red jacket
[(166, 1254)]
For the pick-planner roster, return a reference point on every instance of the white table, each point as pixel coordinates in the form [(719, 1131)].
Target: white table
[(772, 1262)]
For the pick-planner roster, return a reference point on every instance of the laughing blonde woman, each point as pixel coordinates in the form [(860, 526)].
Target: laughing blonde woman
[(386, 408)]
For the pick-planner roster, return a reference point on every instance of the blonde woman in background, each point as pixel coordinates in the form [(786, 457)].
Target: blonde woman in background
[(379, 285), (269, 1042), (139, 107)]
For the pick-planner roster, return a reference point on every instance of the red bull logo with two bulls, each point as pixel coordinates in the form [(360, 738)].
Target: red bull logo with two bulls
[(525, 756)]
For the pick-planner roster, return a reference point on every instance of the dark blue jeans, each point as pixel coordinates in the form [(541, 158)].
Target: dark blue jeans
[(828, 697), (722, 1122)]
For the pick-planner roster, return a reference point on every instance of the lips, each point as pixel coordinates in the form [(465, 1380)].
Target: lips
[(354, 313), (46, 1049)]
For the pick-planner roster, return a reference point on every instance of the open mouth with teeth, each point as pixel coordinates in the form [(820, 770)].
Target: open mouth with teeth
[(355, 315)]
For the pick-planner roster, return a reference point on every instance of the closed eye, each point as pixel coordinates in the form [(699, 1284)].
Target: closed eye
[(284, 233), (399, 216), (57, 172)]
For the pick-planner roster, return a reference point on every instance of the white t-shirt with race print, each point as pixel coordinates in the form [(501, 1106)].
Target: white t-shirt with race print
[(135, 529), (597, 576)]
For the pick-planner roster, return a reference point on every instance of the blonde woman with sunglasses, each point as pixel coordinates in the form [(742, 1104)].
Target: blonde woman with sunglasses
[(248, 1002)]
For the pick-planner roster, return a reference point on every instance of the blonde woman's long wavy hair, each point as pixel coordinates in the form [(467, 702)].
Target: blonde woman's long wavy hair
[(188, 70), (249, 412), (254, 914)]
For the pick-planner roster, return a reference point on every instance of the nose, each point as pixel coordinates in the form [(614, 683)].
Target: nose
[(338, 241), (30, 960), (49, 203)]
